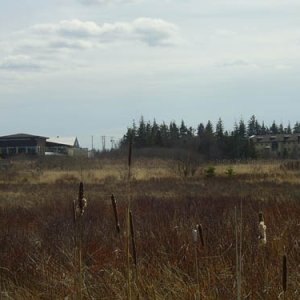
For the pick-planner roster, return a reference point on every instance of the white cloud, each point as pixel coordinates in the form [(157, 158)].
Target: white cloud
[(153, 32), (18, 63), (48, 45), (103, 2), (65, 44)]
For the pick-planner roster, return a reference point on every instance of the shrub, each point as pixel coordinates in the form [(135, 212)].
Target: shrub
[(229, 171), (210, 171)]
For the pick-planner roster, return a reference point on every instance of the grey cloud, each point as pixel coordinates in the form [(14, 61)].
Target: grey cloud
[(155, 32)]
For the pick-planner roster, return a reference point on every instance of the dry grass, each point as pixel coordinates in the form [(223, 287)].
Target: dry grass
[(37, 232)]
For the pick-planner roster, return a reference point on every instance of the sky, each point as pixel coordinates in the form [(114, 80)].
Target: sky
[(90, 67)]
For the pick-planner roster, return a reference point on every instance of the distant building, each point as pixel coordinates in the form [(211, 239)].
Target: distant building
[(64, 146), (22, 143), (277, 145), (27, 144)]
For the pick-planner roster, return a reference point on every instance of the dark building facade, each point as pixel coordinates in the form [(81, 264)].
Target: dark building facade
[(22, 143), (278, 145)]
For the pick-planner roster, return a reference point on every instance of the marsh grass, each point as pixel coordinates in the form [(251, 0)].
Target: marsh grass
[(37, 237)]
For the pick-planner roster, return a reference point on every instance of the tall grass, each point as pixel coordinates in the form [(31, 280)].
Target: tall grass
[(37, 239)]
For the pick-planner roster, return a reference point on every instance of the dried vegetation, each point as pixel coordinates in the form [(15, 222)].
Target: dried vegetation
[(42, 257)]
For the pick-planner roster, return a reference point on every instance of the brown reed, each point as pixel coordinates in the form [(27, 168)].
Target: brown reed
[(133, 239), (284, 273), (115, 210), (78, 210), (128, 222), (200, 231), (260, 217)]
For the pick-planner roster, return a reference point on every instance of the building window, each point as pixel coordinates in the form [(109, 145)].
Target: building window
[(274, 146), (12, 150)]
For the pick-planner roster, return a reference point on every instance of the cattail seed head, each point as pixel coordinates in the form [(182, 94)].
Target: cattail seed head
[(195, 235), (81, 202), (262, 228)]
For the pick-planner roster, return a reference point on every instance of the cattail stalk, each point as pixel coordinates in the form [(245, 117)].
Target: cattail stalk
[(115, 210), (238, 250), (262, 240), (128, 216), (241, 244), (133, 240), (195, 240), (78, 210), (284, 274), (200, 231)]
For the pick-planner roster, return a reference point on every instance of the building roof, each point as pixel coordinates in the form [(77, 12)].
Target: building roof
[(22, 136), (66, 141), (275, 138)]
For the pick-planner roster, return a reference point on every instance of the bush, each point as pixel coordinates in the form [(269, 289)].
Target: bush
[(210, 171), (229, 171)]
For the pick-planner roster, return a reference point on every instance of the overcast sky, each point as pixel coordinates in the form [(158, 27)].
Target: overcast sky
[(89, 67)]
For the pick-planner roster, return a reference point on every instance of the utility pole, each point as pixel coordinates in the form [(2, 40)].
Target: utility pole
[(103, 143), (112, 142), (92, 142)]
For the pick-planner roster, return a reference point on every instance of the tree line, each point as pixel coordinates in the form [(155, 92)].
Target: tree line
[(211, 141)]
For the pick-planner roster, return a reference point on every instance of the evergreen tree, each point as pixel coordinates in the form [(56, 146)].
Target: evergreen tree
[(183, 130), (220, 129), (148, 134), (165, 134), (209, 129), (190, 132), (174, 133), (296, 128), (242, 128), (200, 129), (263, 130), (154, 133), (274, 128), (252, 126), (257, 128), (141, 134), (280, 129)]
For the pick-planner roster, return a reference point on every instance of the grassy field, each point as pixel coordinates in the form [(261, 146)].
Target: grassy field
[(46, 255)]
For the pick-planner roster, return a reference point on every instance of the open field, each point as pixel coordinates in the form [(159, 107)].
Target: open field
[(39, 240)]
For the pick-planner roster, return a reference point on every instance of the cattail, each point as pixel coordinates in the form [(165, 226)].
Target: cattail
[(200, 231), (262, 229), (195, 239), (132, 238), (195, 235), (115, 209), (80, 194), (82, 202), (284, 273), (74, 211), (260, 217)]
